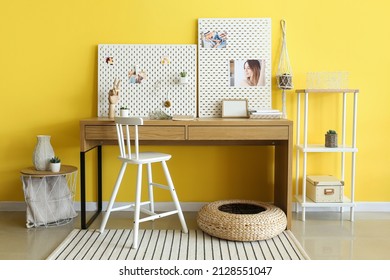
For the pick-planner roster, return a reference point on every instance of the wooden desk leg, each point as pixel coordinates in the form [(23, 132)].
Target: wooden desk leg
[(100, 175), (282, 188), (84, 223), (82, 190)]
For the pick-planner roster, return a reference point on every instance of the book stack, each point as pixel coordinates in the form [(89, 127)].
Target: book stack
[(264, 114)]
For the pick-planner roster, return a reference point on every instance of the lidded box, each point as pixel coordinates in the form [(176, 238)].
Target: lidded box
[(324, 188)]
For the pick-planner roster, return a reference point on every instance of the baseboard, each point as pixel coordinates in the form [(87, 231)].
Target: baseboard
[(360, 207), (195, 206)]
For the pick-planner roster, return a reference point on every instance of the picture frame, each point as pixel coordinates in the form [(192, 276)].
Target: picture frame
[(234, 108)]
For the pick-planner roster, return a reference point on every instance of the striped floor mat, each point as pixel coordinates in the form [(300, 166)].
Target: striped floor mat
[(115, 244)]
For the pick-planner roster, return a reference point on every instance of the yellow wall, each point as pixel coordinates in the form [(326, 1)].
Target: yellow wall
[(48, 81)]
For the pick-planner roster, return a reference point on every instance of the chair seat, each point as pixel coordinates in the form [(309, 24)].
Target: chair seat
[(146, 157)]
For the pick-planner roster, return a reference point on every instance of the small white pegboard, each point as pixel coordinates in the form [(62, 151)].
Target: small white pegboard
[(162, 65), (247, 38)]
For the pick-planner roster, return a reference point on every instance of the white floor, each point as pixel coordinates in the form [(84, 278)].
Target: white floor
[(324, 235)]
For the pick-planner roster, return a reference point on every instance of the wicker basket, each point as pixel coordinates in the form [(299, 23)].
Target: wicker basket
[(258, 221)]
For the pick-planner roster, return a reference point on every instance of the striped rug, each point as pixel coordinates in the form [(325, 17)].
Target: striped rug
[(115, 244)]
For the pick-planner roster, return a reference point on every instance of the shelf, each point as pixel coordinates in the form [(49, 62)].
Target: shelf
[(337, 90), (303, 147), (319, 148), (310, 203)]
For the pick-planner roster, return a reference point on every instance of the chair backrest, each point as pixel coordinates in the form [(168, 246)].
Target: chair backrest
[(123, 125)]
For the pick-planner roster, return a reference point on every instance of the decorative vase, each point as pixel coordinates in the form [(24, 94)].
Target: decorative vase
[(43, 152)]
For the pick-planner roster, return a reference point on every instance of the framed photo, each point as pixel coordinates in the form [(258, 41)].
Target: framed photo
[(213, 39), (234, 108), (247, 73)]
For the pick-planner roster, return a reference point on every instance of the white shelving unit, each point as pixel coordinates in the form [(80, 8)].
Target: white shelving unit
[(304, 148)]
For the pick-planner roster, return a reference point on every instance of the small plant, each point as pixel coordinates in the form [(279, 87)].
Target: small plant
[(331, 139), (124, 108), (55, 160), (183, 74)]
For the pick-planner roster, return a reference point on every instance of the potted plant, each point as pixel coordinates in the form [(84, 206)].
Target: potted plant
[(55, 164), (124, 111), (331, 139), (183, 77)]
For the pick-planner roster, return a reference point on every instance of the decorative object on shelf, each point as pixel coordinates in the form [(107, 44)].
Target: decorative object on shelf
[(324, 188), (165, 60), (113, 98), (264, 114), (284, 73), (55, 164), (124, 111), (167, 102), (234, 108), (110, 60), (331, 139), (183, 77), (43, 152), (183, 117), (327, 80), (159, 115)]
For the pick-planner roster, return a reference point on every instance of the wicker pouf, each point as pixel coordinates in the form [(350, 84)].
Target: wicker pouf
[(241, 220)]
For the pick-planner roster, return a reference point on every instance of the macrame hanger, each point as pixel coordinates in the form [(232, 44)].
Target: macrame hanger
[(284, 61), (284, 73)]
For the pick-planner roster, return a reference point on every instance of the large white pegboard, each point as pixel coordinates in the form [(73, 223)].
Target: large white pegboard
[(247, 38), (162, 65)]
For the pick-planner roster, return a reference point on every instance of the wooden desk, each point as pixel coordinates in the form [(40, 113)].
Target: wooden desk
[(96, 132)]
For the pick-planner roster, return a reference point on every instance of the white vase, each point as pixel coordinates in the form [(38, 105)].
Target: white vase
[(43, 152)]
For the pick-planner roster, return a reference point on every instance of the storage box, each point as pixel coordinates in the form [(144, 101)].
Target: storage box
[(324, 188)]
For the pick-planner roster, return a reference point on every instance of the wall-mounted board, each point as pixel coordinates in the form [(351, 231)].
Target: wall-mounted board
[(149, 76), (225, 47)]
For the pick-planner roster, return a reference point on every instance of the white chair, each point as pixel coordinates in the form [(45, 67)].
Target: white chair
[(138, 158)]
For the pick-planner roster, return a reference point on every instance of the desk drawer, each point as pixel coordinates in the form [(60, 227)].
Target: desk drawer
[(238, 133), (103, 132)]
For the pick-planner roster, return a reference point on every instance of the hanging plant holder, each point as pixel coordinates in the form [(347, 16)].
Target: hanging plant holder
[(284, 73)]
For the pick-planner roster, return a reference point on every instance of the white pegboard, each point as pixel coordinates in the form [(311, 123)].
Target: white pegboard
[(162, 81), (247, 38)]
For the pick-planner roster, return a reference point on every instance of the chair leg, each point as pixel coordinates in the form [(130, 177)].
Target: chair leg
[(137, 207), (150, 187), (113, 196), (174, 197)]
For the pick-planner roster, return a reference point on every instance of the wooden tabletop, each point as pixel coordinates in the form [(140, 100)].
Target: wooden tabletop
[(31, 171)]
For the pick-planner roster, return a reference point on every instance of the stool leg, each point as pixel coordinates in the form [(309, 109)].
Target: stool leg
[(137, 206), (174, 197), (113, 196), (150, 188)]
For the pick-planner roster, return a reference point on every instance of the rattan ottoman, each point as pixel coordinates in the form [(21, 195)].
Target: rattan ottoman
[(241, 220)]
